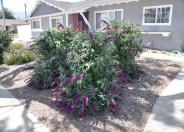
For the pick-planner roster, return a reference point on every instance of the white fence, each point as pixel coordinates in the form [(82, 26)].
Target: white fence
[(24, 32)]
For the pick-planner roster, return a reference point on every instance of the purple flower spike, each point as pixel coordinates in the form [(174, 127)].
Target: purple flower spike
[(82, 112), (72, 109), (105, 22), (74, 78), (113, 103), (83, 101), (94, 109), (66, 82), (90, 36), (125, 87), (87, 101), (82, 75), (114, 91), (60, 26)]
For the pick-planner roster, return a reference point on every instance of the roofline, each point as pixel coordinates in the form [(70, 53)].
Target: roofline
[(49, 4), (53, 5), (54, 14), (111, 4), (70, 12)]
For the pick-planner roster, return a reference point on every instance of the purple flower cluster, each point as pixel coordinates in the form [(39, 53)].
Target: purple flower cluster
[(59, 96), (90, 36), (121, 77), (60, 26), (73, 78), (113, 88), (85, 104), (114, 107), (105, 22)]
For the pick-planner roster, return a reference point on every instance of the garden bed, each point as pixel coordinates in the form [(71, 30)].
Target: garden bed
[(135, 108)]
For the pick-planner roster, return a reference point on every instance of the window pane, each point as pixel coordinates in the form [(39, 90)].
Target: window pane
[(105, 16), (163, 15), (118, 15), (53, 22), (98, 20), (38, 24), (150, 15), (111, 16), (35, 24)]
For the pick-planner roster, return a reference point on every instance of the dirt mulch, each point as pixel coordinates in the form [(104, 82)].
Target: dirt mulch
[(135, 109)]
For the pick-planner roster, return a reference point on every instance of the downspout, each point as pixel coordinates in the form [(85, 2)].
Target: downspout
[(86, 21)]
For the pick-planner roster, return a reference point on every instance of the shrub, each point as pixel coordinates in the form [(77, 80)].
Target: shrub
[(15, 47), (87, 72), (5, 40), (17, 55)]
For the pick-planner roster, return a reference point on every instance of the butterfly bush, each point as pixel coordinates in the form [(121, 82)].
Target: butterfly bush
[(88, 73)]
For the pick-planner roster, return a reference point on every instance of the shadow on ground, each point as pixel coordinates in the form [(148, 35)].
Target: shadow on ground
[(167, 113), (3, 69), (135, 108)]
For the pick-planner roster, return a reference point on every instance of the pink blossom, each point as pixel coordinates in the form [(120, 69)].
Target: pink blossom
[(113, 91), (90, 36), (87, 100), (105, 22), (125, 87), (74, 78), (94, 109), (82, 112), (82, 75), (60, 26), (83, 101), (113, 103)]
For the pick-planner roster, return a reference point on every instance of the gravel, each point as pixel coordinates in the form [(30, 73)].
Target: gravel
[(135, 108)]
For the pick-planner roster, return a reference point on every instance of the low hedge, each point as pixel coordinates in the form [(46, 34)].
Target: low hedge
[(17, 54), (5, 41)]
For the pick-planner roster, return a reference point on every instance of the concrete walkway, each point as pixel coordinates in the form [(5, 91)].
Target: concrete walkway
[(168, 112), (14, 117)]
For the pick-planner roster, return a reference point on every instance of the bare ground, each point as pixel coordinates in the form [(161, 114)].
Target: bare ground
[(136, 105)]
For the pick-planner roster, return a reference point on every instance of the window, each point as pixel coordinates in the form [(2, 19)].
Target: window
[(36, 24), (109, 15), (55, 21), (157, 15)]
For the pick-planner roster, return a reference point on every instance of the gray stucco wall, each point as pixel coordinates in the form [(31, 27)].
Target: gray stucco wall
[(36, 34), (44, 9), (133, 12)]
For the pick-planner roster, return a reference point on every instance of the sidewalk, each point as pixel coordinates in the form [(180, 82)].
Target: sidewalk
[(14, 117), (168, 112)]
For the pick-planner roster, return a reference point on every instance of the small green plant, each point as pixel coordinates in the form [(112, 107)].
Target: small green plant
[(15, 47), (5, 41), (16, 55)]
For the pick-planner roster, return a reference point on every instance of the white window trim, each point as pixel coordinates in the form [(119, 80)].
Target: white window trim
[(159, 24), (36, 29), (102, 11), (54, 17)]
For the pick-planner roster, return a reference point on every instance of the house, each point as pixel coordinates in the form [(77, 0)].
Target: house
[(161, 21), (11, 24)]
